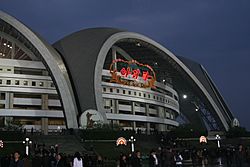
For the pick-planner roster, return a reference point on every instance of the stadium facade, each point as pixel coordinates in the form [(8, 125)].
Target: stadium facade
[(102, 75)]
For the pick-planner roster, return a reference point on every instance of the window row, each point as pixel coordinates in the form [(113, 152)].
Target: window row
[(26, 83), (139, 94), (5, 69)]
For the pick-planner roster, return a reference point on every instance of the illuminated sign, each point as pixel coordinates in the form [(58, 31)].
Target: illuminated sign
[(203, 139), (121, 141), (132, 73)]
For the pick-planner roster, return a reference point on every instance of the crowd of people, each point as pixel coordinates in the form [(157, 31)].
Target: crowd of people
[(56, 160), (43, 157), (160, 157), (168, 157)]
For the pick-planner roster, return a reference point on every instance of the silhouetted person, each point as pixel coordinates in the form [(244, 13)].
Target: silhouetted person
[(16, 162), (77, 161), (60, 161), (153, 159), (178, 159), (239, 156), (136, 160), (123, 161)]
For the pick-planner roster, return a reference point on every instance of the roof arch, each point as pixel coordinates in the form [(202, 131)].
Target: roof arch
[(91, 46), (53, 61), (121, 35)]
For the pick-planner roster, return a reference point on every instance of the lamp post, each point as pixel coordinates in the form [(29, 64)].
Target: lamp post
[(27, 142), (217, 137), (132, 140)]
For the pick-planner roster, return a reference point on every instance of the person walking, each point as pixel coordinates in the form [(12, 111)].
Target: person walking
[(136, 160), (178, 159), (16, 162), (60, 161), (240, 156), (153, 160), (123, 161), (77, 161)]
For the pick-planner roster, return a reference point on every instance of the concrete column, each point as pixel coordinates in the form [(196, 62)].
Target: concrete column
[(115, 107), (161, 127), (45, 106), (45, 121), (148, 123), (133, 112), (9, 100)]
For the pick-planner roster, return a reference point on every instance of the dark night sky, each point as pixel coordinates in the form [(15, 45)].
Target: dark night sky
[(215, 33)]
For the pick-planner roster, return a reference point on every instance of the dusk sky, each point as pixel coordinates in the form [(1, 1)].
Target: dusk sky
[(215, 33)]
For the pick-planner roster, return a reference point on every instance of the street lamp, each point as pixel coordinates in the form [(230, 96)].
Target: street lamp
[(27, 142), (132, 140), (184, 96), (217, 137)]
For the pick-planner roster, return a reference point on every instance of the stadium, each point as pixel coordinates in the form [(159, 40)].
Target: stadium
[(102, 76)]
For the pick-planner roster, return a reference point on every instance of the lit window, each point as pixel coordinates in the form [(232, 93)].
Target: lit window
[(17, 82), (25, 83), (8, 82), (40, 83), (33, 83)]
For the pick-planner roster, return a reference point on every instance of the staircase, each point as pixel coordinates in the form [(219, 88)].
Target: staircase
[(68, 144)]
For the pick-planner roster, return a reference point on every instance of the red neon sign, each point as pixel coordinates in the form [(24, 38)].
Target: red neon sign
[(129, 73)]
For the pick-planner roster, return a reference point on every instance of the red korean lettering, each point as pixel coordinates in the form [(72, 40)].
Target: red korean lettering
[(145, 75), (125, 72), (136, 73)]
